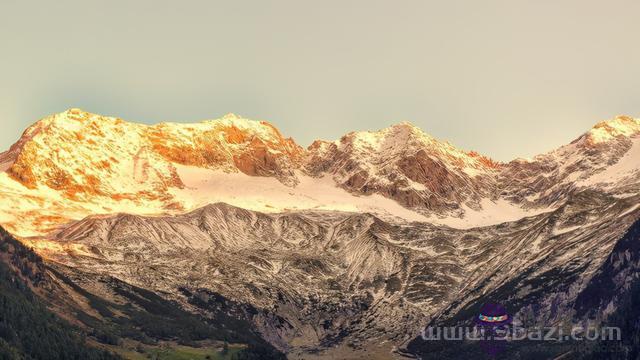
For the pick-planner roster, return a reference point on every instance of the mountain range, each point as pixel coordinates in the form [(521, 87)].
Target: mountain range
[(344, 250)]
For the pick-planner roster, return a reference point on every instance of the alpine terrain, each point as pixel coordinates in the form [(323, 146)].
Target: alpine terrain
[(226, 239)]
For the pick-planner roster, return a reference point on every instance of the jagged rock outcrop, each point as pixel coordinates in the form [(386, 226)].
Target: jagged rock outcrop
[(407, 165)]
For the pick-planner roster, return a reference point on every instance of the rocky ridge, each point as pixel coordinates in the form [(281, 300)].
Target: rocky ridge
[(76, 164)]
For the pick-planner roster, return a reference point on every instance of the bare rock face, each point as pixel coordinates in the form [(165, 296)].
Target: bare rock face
[(254, 148), (407, 165)]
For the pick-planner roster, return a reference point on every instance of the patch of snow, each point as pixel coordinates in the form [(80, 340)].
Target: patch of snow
[(492, 213), (628, 165), (416, 185), (265, 194), (560, 231), (607, 130)]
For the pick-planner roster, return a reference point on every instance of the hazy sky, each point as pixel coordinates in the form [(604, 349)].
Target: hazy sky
[(506, 78)]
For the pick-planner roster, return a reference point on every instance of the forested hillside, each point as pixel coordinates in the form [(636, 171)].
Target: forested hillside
[(28, 330)]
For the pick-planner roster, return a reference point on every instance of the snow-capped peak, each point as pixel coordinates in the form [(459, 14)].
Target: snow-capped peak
[(404, 163), (231, 116), (619, 126), (405, 138), (85, 156)]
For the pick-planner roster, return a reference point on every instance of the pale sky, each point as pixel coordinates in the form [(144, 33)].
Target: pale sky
[(506, 78)]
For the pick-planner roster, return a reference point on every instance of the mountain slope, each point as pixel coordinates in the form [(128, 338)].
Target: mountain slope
[(564, 296), (28, 330), (103, 311), (332, 280)]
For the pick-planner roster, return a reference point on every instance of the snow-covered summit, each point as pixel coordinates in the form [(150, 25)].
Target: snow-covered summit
[(73, 164), (607, 130), (80, 158), (406, 164)]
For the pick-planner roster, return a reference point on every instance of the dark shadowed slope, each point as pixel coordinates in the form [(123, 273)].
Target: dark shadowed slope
[(28, 330)]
